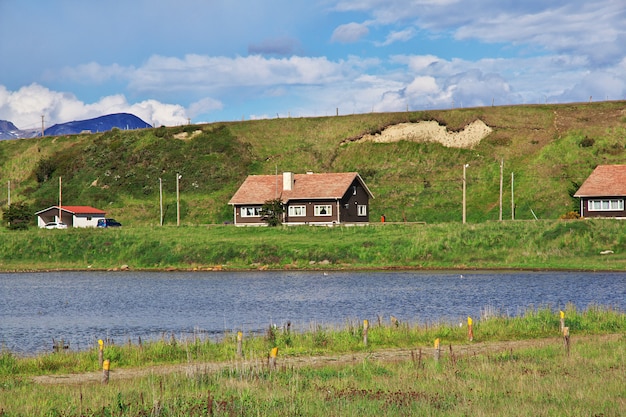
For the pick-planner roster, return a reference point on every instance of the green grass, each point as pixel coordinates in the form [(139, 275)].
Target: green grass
[(320, 340), (557, 244), (501, 379)]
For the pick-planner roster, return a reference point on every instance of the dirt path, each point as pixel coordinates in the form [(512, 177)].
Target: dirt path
[(385, 355)]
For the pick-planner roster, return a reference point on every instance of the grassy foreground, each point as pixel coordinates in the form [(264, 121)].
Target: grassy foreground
[(515, 366), (546, 244)]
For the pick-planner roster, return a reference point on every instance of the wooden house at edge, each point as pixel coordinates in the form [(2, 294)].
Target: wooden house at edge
[(603, 192)]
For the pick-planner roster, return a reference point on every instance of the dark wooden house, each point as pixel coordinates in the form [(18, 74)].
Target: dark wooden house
[(316, 199), (603, 192)]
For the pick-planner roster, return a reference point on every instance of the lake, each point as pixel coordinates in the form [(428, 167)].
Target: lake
[(81, 307)]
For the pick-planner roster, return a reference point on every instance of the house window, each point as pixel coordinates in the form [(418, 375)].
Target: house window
[(324, 210), (297, 211), (251, 212), (605, 205), (361, 210)]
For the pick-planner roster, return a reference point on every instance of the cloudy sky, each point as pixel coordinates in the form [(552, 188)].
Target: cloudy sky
[(174, 61)]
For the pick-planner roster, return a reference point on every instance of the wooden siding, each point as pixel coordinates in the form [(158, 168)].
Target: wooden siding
[(585, 212)]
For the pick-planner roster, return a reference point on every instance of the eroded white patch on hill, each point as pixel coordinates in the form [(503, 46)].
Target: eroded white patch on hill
[(431, 131), (187, 136)]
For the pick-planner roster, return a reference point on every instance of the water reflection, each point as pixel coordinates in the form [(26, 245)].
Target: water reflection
[(80, 307)]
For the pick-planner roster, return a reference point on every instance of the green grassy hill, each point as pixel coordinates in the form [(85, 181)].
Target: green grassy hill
[(550, 149)]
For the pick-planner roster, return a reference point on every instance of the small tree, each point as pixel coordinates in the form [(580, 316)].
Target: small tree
[(272, 212), (44, 170), (17, 216)]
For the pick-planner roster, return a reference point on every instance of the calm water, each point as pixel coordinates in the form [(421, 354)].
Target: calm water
[(81, 307)]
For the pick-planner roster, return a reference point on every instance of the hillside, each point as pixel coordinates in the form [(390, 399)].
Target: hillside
[(550, 149)]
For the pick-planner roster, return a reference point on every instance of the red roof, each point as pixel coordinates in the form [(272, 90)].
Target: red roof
[(257, 189), (76, 210), (83, 210), (604, 181)]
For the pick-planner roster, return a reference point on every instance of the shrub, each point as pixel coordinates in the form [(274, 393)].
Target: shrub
[(586, 142), (44, 169), (18, 216), (272, 211), (570, 215)]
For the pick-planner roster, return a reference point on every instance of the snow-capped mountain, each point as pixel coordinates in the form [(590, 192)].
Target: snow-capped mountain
[(123, 121)]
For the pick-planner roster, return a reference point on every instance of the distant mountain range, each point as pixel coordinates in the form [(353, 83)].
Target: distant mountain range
[(124, 121)]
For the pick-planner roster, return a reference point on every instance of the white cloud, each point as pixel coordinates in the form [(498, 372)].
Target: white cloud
[(398, 36), (597, 87), (204, 106), (312, 86), (90, 73), (25, 107), (422, 86), (349, 32), (594, 29), (208, 74)]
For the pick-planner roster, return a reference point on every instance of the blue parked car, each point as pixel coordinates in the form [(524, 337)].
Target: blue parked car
[(108, 223)]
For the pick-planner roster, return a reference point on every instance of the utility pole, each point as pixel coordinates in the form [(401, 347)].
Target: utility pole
[(512, 196), (501, 185), (161, 200), (43, 131), (178, 177), (464, 199), (60, 193)]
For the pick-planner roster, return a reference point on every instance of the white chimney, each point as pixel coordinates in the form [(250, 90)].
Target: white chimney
[(288, 181)]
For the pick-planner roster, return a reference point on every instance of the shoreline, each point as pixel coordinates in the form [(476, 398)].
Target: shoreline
[(364, 269)]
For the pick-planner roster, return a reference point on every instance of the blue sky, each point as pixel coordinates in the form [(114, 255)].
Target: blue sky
[(169, 62)]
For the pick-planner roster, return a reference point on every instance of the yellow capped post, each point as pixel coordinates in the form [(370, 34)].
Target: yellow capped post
[(272, 358), (470, 330), (239, 344), (100, 352), (106, 367)]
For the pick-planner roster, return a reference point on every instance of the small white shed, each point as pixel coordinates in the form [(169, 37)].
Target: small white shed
[(72, 216)]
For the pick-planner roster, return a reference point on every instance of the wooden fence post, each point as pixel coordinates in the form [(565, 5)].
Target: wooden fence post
[(209, 404), (566, 339), (239, 344), (106, 366), (272, 359), (470, 330), (100, 353), (562, 314), (437, 350), (366, 325)]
